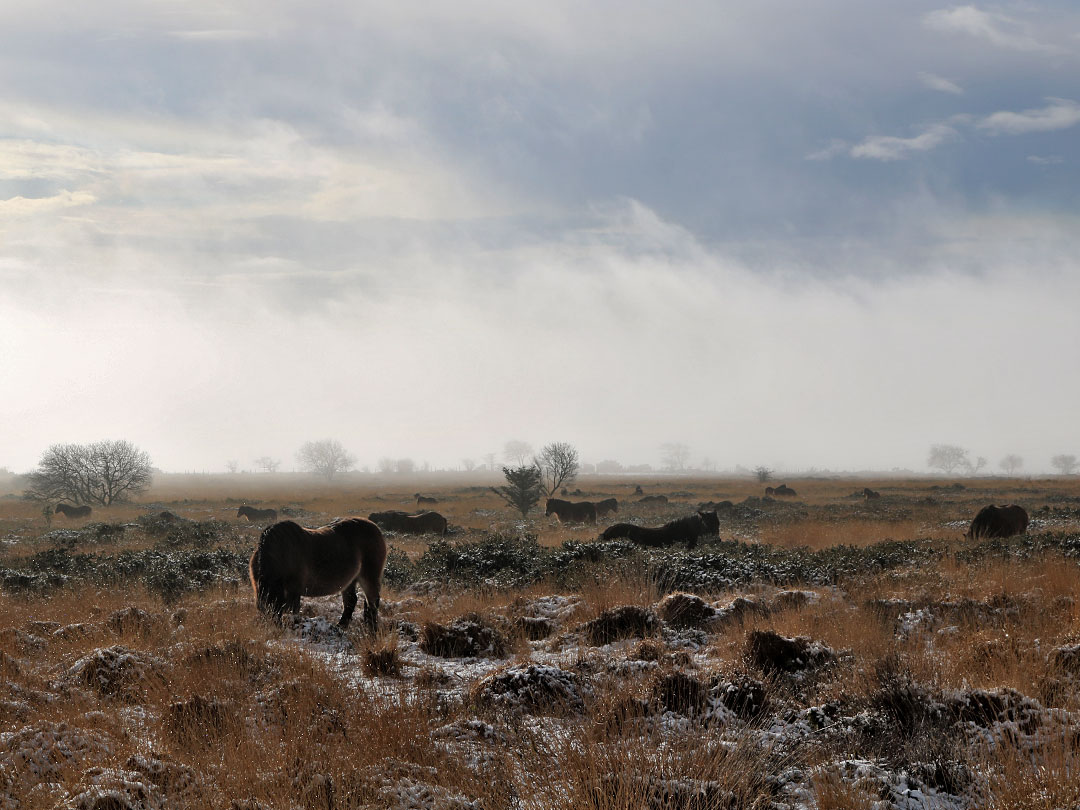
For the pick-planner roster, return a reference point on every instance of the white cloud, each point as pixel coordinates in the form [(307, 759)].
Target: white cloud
[(889, 147), (1060, 113), (992, 27), (1047, 160), (502, 334), (29, 206), (940, 84)]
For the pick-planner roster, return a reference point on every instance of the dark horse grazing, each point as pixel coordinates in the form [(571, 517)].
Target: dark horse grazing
[(570, 512), (291, 561), (253, 514), (397, 521), (608, 506), (73, 511), (870, 494), (421, 500), (998, 521), (687, 529)]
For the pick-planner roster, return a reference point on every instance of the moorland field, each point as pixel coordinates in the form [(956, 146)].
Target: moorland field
[(825, 651)]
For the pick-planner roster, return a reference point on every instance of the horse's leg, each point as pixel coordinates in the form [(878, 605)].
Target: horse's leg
[(371, 602), (349, 599)]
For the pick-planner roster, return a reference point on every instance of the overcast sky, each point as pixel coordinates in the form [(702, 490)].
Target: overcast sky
[(802, 235)]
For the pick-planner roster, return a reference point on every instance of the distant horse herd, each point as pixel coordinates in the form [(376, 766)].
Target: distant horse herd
[(291, 561)]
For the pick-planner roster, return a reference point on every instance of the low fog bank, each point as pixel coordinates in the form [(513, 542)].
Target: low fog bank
[(616, 339)]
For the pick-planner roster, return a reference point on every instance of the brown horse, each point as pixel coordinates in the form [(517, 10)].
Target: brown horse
[(998, 521), (291, 561), (398, 521), (425, 500), (73, 511), (683, 530), (253, 514), (608, 506), (570, 512)]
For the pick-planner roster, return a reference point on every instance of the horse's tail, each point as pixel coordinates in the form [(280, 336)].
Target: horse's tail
[(255, 570), (262, 570)]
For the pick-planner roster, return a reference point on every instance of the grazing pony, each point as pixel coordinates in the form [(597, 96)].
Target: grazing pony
[(608, 506), (253, 514), (73, 511), (998, 521), (870, 494), (424, 499), (570, 512), (291, 561), (397, 521), (784, 491), (687, 529)]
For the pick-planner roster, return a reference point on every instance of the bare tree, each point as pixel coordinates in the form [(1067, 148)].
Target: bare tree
[(386, 465), (1064, 464), (559, 465), (468, 464), (524, 486), (978, 464), (232, 466), (489, 460), (948, 458), (674, 455), (1011, 463), (325, 457), (101, 473), (763, 474), (267, 464), (518, 452)]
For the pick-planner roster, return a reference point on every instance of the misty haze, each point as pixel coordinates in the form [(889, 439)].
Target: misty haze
[(594, 405)]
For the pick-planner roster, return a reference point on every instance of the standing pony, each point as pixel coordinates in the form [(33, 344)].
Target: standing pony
[(291, 561), (253, 514), (73, 511), (570, 512)]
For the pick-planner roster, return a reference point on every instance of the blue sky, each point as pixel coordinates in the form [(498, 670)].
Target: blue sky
[(820, 235)]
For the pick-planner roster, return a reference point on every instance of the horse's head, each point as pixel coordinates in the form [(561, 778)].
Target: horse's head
[(711, 521), (550, 507), (243, 510)]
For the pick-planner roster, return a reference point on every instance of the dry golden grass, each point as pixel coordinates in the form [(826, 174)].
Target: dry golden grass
[(819, 534)]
